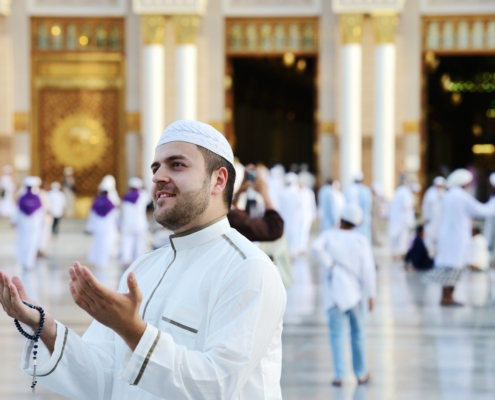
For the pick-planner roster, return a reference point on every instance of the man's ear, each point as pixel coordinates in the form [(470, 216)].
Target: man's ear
[(220, 177)]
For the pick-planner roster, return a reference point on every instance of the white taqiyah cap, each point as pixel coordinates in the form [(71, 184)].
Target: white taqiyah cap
[(492, 179), (353, 214), (108, 182), (55, 186), (31, 181), (291, 179), (415, 187), (198, 133), (106, 186), (460, 177), (135, 183), (439, 181), (358, 176)]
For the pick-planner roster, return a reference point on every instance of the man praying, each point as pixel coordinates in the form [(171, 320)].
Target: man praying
[(200, 318)]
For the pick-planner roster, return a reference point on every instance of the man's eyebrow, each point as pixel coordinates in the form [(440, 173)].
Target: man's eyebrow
[(175, 158), (155, 164)]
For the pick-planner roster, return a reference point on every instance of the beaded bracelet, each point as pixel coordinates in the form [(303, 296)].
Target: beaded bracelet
[(34, 337)]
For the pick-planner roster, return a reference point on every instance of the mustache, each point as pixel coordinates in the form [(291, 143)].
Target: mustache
[(167, 188)]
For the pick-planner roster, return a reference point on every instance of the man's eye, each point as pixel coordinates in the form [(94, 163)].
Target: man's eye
[(178, 164)]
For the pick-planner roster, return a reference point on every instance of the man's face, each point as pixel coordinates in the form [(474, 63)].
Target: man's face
[(181, 190)]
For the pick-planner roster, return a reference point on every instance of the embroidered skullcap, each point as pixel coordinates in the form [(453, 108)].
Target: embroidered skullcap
[(135, 183), (492, 179), (358, 176), (198, 133), (31, 181), (439, 181), (353, 214), (460, 177)]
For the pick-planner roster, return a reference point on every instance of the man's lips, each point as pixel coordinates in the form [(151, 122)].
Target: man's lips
[(162, 194)]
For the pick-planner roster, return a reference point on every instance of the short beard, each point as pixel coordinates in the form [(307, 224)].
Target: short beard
[(188, 207)]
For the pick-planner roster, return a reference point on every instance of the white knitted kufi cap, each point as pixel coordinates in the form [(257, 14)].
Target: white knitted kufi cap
[(135, 183), (439, 181), (492, 179), (460, 177), (352, 213), (200, 134)]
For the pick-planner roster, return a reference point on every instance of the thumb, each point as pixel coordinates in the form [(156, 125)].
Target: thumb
[(20, 288), (133, 286)]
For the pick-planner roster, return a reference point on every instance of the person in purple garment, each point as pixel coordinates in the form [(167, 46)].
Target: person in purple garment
[(102, 224), (29, 224), (133, 222)]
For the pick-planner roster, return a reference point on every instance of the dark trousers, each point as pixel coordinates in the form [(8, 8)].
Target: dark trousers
[(55, 225)]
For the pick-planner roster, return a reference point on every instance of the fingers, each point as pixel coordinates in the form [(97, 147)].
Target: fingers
[(77, 284), (20, 288), (77, 298), (133, 286), (93, 283)]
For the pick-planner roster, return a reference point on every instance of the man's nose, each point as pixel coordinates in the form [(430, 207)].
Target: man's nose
[(161, 176)]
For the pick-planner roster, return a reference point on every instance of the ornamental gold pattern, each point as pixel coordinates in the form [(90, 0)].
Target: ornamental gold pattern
[(351, 26), (153, 29), (186, 28), (384, 27)]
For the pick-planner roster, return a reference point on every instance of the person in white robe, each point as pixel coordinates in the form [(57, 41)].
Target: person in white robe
[(290, 206), (480, 257), (490, 224), (110, 184), (349, 286), (103, 225), (455, 233), (325, 207), (69, 186), (58, 203), (46, 232), (133, 222), (306, 178), (401, 220), (276, 184), (430, 207), (7, 193), (377, 213), (29, 224), (359, 194), (199, 319), (306, 215)]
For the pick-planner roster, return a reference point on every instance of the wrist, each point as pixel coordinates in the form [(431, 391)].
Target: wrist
[(132, 333)]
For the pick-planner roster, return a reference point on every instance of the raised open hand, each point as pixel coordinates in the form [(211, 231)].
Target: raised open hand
[(119, 312)]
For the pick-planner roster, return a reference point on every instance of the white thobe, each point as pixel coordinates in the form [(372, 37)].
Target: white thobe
[(305, 216), (331, 202), (401, 220), (455, 228), (46, 231), (480, 257), (57, 202), (104, 231), (350, 275), (28, 233), (214, 305), (133, 226), (432, 201), (290, 203), (7, 202), (361, 195)]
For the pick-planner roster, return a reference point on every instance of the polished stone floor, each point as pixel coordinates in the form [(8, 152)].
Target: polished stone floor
[(417, 350)]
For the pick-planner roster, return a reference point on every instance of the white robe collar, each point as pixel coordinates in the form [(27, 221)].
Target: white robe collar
[(200, 235)]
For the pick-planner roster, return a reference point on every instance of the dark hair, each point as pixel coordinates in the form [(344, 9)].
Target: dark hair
[(476, 230), (212, 163), (419, 230)]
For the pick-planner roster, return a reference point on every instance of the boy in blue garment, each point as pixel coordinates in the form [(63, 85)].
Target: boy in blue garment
[(418, 256)]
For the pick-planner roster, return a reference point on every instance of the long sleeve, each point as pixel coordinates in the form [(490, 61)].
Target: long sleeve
[(79, 368), (369, 271), (268, 228), (477, 209), (320, 253), (242, 324)]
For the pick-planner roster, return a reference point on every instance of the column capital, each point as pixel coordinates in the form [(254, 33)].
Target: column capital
[(351, 26), (153, 28), (186, 28), (384, 27)]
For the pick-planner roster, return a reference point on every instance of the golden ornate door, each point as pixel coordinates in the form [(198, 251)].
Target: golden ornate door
[(78, 73)]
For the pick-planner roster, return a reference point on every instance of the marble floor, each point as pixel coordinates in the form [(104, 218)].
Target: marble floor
[(417, 350)]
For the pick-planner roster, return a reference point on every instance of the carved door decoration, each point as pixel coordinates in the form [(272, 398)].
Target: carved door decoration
[(77, 100)]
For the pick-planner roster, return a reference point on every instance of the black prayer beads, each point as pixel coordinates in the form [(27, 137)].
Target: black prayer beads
[(34, 337)]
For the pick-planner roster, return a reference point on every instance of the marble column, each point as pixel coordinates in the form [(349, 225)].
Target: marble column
[(153, 108), (350, 101), (384, 103), (187, 66)]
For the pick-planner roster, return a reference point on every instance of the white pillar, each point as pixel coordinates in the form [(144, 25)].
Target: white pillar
[(384, 121), (187, 66), (153, 118), (187, 98), (350, 102), (384, 103)]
